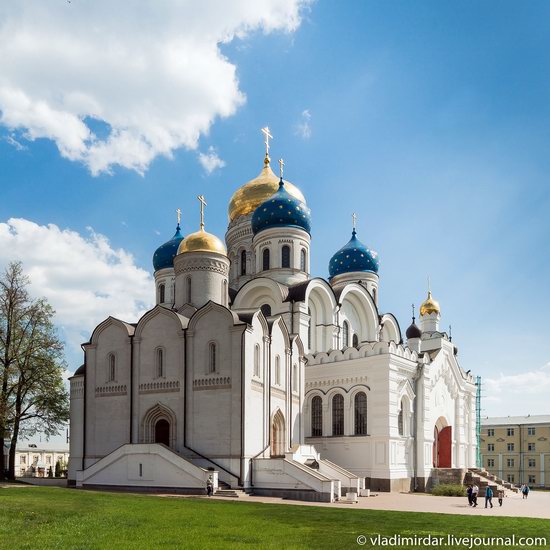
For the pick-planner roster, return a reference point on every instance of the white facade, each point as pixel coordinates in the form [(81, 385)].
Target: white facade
[(277, 382)]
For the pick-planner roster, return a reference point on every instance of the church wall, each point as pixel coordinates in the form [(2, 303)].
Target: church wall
[(107, 402)]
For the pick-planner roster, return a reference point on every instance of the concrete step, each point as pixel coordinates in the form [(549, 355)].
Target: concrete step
[(231, 493)]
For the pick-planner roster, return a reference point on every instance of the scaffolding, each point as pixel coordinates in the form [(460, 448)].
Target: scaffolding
[(478, 422)]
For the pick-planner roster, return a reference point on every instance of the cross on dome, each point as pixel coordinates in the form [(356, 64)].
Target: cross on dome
[(178, 213), (281, 166), (203, 204), (268, 136)]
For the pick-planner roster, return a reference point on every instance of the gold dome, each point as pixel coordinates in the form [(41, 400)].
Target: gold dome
[(248, 197), (201, 241), (429, 306)]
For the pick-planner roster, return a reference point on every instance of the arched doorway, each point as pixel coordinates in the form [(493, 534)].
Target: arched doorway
[(278, 435), (162, 432), (443, 444)]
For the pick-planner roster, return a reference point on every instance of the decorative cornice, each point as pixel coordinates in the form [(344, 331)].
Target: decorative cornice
[(160, 387), (212, 383), (111, 390)]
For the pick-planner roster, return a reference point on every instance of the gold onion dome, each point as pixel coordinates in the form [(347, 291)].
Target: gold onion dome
[(429, 306), (248, 197), (201, 241)]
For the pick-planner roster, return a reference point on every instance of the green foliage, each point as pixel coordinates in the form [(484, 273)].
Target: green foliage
[(89, 520), (449, 490), (58, 469), (50, 472)]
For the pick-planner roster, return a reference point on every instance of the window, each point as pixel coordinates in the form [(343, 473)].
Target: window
[(510, 447), (48, 459), (285, 256), (491, 432), (266, 310), (532, 463), (35, 459), (309, 329), (243, 262), (160, 363), (225, 295), (510, 432), (400, 423), (531, 431), (316, 417), (338, 414), (374, 295), (294, 377), (212, 357), (491, 447), (532, 478), (355, 341), (112, 368), (277, 370), (188, 283), (360, 413), (22, 459), (530, 446), (303, 260), (265, 259), (162, 292), (345, 334), (490, 463), (257, 360), (510, 462), (510, 478)]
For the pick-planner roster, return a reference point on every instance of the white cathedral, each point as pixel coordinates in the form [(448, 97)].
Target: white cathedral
[(270, 381)]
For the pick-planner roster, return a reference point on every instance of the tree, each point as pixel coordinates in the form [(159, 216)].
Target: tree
[(32, 393), (58, 468)]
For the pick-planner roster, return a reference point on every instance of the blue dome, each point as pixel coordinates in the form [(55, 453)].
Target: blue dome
[(353, 256), (164, 255), (281, 210)]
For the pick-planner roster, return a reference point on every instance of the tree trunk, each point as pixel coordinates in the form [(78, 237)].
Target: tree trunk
[(2, 465), (13, 447)]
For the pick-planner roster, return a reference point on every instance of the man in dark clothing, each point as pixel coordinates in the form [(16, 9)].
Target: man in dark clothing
[(469, 493), (488, 496)]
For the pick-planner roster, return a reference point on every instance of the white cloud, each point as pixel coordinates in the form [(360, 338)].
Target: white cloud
[(14, 143), (525, 392), (83, 277), (151, 72), (303, 127), (210, 160)]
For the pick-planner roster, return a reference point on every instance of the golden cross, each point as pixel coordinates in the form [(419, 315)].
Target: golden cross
[(267, 135), (354, 220), (178, 212), (281, 166), (203, 204), (429, 286)]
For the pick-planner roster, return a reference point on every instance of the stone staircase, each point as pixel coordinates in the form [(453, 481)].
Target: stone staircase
[(484, 479), (224, 490)]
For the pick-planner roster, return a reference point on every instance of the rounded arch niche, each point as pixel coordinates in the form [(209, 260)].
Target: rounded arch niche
[(159, 426)]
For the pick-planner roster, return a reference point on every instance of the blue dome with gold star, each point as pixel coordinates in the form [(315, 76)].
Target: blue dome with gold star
[(164, 255), (353, 256), (281, 210)]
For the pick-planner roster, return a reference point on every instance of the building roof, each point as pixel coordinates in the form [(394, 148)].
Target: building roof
[(515, 420), (42, 446)]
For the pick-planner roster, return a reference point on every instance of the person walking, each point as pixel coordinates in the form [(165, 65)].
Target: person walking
[(209, 486), (488, 496), (475, 491), (469, 493), (525, 491), (500, 496)]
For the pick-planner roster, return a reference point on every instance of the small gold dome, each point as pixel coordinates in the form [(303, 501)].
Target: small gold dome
[(429, 306), (248, 197), (201, 241)]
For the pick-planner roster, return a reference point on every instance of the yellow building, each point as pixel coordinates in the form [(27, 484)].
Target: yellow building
[(517, 448)]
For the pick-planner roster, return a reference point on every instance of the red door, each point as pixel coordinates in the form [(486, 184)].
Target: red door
[(444, 448)]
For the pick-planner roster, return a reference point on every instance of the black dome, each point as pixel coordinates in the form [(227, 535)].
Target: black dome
[(413, 331)]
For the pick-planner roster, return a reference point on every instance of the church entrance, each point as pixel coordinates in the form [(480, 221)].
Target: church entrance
[(443, 445), (162, 432), (278, 435)]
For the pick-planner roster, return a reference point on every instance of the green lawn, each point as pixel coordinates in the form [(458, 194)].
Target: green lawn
[(43, 517)]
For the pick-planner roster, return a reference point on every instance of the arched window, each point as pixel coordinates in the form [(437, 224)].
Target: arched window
[(345, 334), (400, 423), (360, 408), (355, 341), (188, 283), (257, 360), (266, 310), (316, 417), (303, 260), (277, 371), (160, 362), (162, 293), (265, 258), (294, 377), (285, 256), (309, 329), (225, 296), (338, 414), (374, 295), (212, 357), (243, 262), (111, 361)]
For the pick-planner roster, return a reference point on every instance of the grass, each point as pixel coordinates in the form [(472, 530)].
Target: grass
[(449, 490), (45, 517)]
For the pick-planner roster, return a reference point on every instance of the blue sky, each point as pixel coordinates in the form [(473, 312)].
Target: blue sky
[(429, 119)]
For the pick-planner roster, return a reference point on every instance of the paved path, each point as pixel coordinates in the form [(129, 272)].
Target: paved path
[(537, 505)]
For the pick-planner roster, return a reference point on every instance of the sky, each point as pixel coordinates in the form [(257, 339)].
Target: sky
[(429, 119)]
